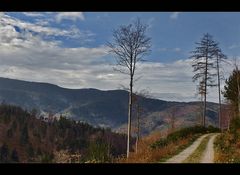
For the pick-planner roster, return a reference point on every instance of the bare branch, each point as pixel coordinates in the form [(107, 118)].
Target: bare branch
[(130, 44)]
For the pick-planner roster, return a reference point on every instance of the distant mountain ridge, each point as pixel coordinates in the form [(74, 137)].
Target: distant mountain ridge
[(97, 107)]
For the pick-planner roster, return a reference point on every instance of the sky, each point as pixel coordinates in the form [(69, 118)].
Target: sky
[(69, 49)]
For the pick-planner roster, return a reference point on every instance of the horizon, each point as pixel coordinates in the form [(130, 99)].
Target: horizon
[(68, 49), (150, 97)]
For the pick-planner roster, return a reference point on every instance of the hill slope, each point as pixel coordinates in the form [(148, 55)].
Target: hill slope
[(24, 138), (99, 108)]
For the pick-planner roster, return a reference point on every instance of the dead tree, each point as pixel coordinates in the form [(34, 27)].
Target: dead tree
[(130, 44), (172, 112), (139, 111), (220, 57), (201, 92), (203, 65)]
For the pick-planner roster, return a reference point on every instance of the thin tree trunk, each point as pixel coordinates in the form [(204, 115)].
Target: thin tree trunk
[(219, 98), (238, 91), (129, 115), (138, 128), (202, 110), (205, 92)]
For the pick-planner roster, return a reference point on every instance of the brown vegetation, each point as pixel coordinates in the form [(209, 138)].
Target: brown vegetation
[(146, 154)]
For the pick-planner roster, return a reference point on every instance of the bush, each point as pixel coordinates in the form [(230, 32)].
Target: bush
[(98, 152), (235, 124)]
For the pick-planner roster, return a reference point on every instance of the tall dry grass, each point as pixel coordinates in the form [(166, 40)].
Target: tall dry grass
[(146, 154)]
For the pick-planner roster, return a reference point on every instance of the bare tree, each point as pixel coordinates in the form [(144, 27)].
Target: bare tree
[(220, 57), (201, 92), (203, 65), (172, 113), (130, 44), (139, 111)]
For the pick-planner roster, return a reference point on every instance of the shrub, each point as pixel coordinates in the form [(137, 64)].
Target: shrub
[(98, 152)]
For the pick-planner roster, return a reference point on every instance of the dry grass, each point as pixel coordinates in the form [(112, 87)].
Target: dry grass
[(146, 154), (226, 149), (196, 156)]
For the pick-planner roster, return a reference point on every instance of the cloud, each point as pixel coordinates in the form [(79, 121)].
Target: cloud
[(41, 29), (28, 56), (31, 27), (25, 54), (74, 16), (33, 14), (150, 22), (174, 15), (86, 68), (176, 49), (173, 81), (234, 46)]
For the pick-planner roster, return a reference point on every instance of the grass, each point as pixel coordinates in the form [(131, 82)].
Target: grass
[(182, 134), (196, 156), (227, 148), (227, 144), (179, 149), (156, 148)]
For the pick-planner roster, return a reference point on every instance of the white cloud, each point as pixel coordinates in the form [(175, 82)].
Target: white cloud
[(40, 28), (26, 56), (33, 14), (176, 49), (150, 22), (85, 68), (173, 81), (26, 26), (74, 16), (234, 46), (42, 22), (174, 15)]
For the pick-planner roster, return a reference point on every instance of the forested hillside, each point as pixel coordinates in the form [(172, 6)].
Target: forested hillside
[(24, 138)]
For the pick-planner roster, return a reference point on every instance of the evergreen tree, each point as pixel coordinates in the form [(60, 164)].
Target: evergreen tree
[(231, 91)]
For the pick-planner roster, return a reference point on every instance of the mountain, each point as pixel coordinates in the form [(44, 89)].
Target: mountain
[(100, 108)]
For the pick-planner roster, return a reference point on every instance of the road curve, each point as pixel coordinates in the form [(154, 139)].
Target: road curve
[(208, 154), (179, 158)]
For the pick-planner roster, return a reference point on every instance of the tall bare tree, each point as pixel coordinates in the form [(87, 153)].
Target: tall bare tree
[(172, 113), (203, 66), (139, 110), (130, 44), (220, 57), (201, 92)]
